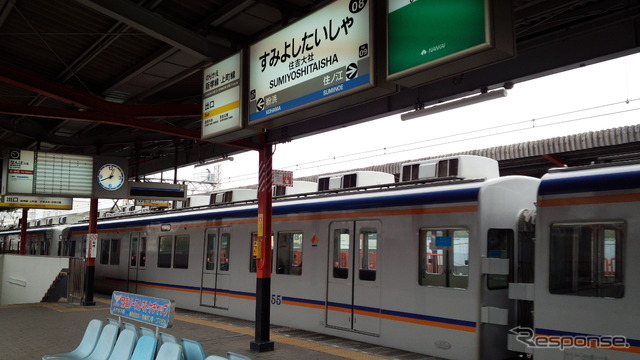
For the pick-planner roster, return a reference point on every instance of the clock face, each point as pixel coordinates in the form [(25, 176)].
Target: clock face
[(110, 177)]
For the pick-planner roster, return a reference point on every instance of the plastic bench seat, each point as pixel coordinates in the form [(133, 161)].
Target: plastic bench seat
[(168, 338), (147, 331), (234, 356), (169, 351), (192, 350), (105, 343), (86, 346), (145, 348), (132, 327), (124, 345)]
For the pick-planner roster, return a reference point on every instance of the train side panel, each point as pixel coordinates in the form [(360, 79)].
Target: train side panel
[(587, 276)]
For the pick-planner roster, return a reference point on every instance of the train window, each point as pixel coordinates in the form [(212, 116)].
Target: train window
[(165, 247), (289, 254), (586, 259), (444, 257), (143, 251), (212, 245), (181, 252), (134, 251), (104, 251), (138, 250), (341, 251), (110, 252), (368, 254), (500, 245), (114, 256), (225, 248)]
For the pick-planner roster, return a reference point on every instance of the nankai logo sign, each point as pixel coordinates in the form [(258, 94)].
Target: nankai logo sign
[(528, 337)]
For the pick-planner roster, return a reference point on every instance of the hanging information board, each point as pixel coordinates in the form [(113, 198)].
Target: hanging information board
[(432, 39), (221, 105), (322, 56), (36, 202), (43, 173)]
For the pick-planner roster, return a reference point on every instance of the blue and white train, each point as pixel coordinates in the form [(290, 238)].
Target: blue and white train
[(453, 261)]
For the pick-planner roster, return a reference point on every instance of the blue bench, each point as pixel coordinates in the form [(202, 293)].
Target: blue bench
[(145, 348), (124, 345), (105, 343), (169, 351), (86, 346)]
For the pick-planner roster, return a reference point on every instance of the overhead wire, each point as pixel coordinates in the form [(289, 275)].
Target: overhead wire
[(534, 123)]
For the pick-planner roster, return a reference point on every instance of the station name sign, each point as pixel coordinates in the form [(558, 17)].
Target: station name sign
[(323, 56)]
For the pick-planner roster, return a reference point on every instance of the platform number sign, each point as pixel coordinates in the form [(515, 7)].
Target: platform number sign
[(355, 6)]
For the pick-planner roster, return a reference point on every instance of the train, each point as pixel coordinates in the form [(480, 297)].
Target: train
[(452, 260)]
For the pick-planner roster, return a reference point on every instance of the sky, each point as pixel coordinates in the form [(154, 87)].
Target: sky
[(590, 98)]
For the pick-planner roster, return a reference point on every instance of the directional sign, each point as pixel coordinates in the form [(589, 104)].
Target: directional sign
[(36, 202), (322, 56), (221, 97)]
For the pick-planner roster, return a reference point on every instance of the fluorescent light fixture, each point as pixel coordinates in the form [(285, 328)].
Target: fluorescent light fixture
[(454, 104), (224, 158)]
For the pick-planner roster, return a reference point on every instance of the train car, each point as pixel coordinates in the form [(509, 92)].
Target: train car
[(423, 267), (45, 241), (587, 276)]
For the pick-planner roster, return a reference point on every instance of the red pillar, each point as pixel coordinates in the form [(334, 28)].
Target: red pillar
[(91, 260), (263, 260), (23, 231)]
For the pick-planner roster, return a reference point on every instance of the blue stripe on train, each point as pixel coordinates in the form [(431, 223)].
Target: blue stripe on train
[(592, 183)]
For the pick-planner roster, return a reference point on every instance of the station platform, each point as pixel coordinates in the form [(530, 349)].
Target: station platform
[(29, 331)]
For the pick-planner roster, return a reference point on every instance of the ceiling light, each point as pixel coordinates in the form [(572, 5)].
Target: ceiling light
[(454, 104)]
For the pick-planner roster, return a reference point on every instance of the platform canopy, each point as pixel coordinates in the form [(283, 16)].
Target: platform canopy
[(125, 78)]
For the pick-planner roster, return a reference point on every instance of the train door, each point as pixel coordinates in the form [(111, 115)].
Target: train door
[(353, 289), (215, 270), (137, 260)]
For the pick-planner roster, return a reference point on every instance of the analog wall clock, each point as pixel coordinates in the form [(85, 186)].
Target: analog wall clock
[(110, 177)]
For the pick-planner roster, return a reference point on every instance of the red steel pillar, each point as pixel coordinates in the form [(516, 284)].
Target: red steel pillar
[(91, 260), (23, 232), (262, 252)]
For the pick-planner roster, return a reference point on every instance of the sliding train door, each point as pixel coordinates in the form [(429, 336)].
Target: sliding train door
[(137, 260), (353, 287), (215, 270)]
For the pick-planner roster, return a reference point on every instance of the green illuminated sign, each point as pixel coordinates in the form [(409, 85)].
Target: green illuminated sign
[(424, 33)]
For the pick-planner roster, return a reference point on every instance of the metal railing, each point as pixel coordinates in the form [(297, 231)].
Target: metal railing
[(76, 283)]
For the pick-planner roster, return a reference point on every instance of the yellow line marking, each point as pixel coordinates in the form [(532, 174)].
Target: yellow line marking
[(53, 306), (305, 344)]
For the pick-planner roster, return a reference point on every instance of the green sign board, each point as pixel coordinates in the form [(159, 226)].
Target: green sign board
[(427, 33)]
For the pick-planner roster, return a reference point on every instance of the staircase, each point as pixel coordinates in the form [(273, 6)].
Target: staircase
[(58, 288)]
